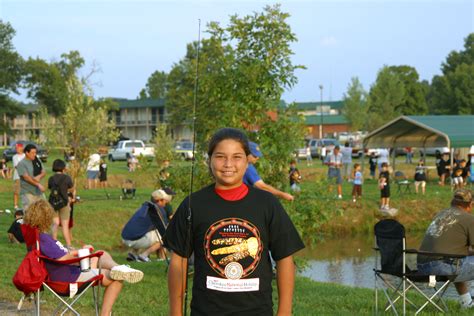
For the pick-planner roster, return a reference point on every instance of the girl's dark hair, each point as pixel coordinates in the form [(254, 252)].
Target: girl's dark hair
[(228, 133), (59, 165)]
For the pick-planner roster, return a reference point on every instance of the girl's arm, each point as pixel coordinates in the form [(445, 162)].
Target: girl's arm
[(176, 279), (285, 283)]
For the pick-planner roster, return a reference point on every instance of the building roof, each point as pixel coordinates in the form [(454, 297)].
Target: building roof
[(139, 103), (455, 131), (305, 106), (326, 119), (30, 107)]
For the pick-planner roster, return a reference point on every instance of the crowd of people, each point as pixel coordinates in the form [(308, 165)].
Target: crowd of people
[(227, 240)]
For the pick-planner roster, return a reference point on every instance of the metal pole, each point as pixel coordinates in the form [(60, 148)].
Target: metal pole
[(322, 114)]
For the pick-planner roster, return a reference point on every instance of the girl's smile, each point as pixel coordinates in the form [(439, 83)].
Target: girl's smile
[(228, 164)]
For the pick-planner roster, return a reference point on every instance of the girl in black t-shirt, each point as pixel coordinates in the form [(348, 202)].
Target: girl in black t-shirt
[(231, 232), (384, 185), (62, 183)]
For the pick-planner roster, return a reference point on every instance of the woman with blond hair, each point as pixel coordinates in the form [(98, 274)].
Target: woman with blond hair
[(40, 215)]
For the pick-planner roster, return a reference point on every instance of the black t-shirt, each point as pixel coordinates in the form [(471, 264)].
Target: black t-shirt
[(372, 163), (231, 241), (63, 181), (15, 230), (443, 164), (386, 175), (103, 172)]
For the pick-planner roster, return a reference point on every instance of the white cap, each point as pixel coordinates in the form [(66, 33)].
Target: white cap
[(446, 150), (471, 151), (161, 195)]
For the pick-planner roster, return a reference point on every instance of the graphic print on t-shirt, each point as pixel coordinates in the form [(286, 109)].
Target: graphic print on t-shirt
[(233, 248)]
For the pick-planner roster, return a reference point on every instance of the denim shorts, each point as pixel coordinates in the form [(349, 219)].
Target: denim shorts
[(92, 174), (335, 173), (464, 268)]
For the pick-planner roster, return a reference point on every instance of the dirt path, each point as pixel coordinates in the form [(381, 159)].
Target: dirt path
[(9, 309)]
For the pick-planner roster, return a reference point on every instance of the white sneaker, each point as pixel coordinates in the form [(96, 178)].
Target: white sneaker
[(469, 305), (143, 258), (354, 200), (125, 273), (339, 197)]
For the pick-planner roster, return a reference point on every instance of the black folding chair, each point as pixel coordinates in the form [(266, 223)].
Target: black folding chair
[(402, 182), (128, 189), (390, 248)]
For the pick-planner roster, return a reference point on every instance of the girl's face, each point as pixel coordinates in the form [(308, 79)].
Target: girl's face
[(228, 164), (357, 168)]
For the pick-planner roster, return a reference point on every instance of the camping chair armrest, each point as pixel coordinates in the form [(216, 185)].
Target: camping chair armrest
[(97, 254), (434, 254)]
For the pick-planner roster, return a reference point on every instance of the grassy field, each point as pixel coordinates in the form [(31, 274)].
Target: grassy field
[(99, 221)]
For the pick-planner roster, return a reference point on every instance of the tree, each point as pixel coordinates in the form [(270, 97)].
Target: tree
[(46, 82), (11, 70), (163, 143), (386, 96), (156, 86), (415, 93), (453, 92), (85, 124), (9, 109), (243, 70), (355, 105)]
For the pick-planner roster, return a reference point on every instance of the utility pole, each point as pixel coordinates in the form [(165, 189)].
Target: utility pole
[(321, 122)]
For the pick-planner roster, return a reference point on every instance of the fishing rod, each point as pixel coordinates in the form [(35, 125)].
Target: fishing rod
[(191, 182)]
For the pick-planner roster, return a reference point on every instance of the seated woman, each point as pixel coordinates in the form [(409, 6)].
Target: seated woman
[(40, 215)]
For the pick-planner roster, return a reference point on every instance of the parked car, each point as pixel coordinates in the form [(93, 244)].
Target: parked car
[(41, 153), (431, 151), (316, 144), (184, 149), (125, 149), (300, 153)]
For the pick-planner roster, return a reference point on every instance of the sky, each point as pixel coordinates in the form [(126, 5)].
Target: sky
[(337, 40)]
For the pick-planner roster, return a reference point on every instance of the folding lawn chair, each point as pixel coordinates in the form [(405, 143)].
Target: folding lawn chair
[(390, 246), (128, 189), (67, 293), (402, 181)]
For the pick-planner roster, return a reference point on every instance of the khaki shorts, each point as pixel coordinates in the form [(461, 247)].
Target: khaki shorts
[(149, 239), (16, 187), (28, 198), (65, 213), (87, 275)]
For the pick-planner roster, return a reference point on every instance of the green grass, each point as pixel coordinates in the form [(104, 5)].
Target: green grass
[(99, 221)]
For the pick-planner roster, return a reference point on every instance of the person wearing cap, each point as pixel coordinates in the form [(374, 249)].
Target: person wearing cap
[(252, 178), (16, 178), (143, 232), (452, 232)]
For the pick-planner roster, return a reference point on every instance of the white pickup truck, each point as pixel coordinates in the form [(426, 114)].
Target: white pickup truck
[(130, 148)]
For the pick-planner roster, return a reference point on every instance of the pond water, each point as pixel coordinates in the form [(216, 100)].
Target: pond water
[(350, 261)]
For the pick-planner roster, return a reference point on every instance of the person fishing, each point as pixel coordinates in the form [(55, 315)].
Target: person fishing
[(252, 178), (234, 227)]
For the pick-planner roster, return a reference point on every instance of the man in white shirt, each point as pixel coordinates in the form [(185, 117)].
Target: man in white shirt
[(93, 167), (383, 157), (346, 161), (16, 178)]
